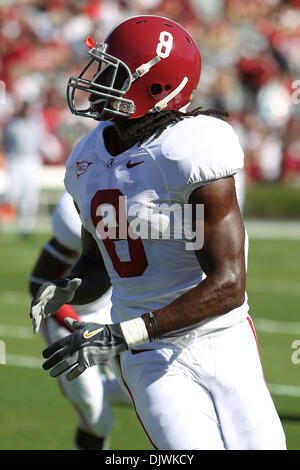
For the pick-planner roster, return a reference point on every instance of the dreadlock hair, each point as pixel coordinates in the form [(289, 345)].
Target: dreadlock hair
[(155, 123)]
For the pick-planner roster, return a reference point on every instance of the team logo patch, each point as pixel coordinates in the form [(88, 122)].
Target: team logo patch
[(81, 167)]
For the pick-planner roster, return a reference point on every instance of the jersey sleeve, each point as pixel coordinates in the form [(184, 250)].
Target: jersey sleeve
[(83, 153), (70, 179), (199, 151), (66, 224)]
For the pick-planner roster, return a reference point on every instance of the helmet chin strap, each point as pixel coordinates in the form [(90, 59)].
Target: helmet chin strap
[(160, 105), (144, 68), (141, 70), (184, 108)]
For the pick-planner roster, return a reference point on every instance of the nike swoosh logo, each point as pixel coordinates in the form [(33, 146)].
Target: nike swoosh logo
[(138, 351), (88, 334), (130, 165)]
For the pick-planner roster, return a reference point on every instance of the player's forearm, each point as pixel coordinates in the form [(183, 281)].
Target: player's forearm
[(222, 258), (95, 281), (53, 262), (214, 296)]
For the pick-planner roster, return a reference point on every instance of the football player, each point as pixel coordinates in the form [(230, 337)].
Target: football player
[(182, 341), (89, 394)]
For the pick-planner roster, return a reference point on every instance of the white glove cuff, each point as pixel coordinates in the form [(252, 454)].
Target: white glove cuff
[(135, 332)]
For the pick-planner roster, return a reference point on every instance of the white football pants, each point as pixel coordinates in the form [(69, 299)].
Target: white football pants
[(209, 395)]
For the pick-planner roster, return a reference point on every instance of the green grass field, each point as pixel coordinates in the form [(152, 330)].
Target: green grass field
[(33, 413)]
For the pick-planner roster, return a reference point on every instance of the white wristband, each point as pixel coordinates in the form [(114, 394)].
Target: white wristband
[(135, 332)]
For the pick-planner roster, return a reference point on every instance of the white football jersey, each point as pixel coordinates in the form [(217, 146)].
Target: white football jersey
[(145, 249), (66, 225)]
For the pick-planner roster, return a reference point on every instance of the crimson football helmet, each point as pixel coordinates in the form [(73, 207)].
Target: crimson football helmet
[(145, 64)]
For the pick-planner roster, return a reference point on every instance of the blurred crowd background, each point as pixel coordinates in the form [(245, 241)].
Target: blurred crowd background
[(251, 68)]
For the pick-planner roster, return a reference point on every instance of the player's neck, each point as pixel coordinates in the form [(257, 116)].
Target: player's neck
[(116, 137)]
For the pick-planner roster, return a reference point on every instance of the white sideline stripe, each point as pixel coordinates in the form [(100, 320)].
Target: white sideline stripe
[(13, 297), (261, 324), (275, 287), (35, 363), (283, 389), (276, 326), (273, 229), (23, 361), (23, 332)]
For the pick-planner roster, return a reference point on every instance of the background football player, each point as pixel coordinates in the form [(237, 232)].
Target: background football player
[(90, 393)]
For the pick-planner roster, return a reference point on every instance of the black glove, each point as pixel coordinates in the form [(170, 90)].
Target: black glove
[(50, 297), (89, 345)]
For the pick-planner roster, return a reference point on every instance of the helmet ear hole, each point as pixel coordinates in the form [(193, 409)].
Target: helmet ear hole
[(156, 89)]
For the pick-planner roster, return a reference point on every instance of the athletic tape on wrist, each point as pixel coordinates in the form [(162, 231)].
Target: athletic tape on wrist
[(135, 332)]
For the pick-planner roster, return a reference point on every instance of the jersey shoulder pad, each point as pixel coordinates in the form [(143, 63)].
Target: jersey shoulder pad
[(199, 150)]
